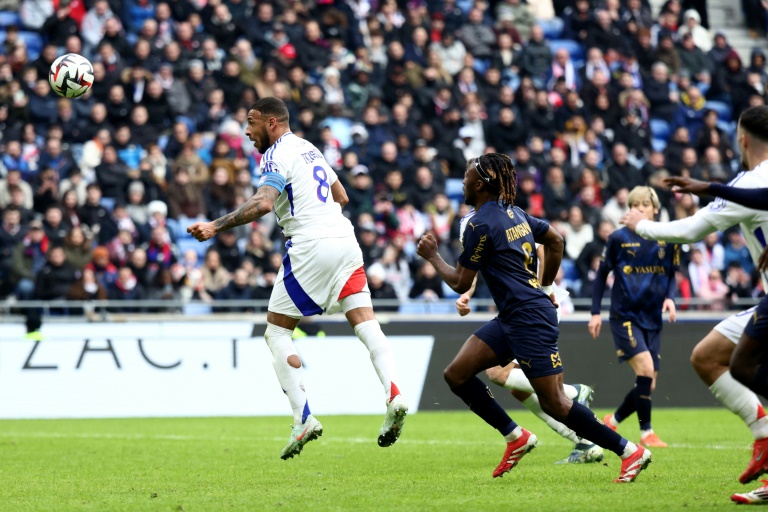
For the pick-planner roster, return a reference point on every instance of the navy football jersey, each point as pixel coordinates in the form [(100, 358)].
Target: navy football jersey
[(499, 242), (644, 275)]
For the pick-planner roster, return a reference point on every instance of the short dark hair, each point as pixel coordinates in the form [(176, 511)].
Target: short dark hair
[(754, 121), (273, 107)]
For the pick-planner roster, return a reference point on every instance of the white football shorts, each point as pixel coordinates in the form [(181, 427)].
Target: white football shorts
[(733, 326), (316, 274)]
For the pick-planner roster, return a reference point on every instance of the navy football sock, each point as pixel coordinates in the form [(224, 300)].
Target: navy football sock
[(643, 401), (584, 422), (626, 408), (479, 399), (760, 381)]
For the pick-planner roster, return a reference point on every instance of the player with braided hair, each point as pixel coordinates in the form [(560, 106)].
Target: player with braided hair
[(499, 241)]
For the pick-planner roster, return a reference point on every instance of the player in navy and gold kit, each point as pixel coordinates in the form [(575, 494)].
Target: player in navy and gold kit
[(644, 287), (500, 241)]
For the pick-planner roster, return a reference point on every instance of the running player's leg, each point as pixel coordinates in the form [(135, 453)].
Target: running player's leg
[(359, 312), (475, 356), (502, 375), (749, 366), (585, 424), (642, 364), (512, 377), (288, 368), (711, 359), (627, 345)]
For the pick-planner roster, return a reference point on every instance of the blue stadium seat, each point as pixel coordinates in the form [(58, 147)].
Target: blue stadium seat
[(197, 309), (184, 223), (9, 19), (660, 129), (658, 144), (453, 188), (34, 42), (426, 308), (174, 229), (574, 49), (553, 28), (570, 272), (724, 111), (108, 203)]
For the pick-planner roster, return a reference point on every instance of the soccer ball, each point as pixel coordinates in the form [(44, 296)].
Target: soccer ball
[(71, 75)]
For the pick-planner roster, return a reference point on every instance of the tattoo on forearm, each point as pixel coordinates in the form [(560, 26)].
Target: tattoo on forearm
[(254, 208)]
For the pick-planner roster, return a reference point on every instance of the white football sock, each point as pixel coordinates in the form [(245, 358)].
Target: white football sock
[(514, 435), (629, 450), (532, 404), (519, 382), (742, 402), (291, 379), (373, 338)]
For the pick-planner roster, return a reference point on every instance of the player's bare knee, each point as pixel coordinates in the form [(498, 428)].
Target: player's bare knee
[(556, 405), (294, 360), (450, 377), (497, 375)]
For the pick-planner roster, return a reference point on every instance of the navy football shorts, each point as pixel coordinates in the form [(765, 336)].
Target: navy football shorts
[(630, 339), (757, 327), (531, 338)]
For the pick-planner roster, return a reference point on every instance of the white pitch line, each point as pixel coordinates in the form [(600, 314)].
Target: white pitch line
[(345, 440)]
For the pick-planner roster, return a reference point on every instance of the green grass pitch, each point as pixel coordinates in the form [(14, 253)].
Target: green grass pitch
[(442, 462)]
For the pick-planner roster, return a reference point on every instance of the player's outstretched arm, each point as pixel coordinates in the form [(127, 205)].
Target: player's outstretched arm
[(688, 230), (460, 279), (257, 206), (339, 194), (755, 198)]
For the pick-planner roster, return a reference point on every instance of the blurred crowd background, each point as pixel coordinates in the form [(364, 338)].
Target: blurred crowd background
[(589, 98)]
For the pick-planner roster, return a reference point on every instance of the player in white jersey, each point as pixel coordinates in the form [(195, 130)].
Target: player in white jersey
[(513, 378), (712, 356), (322, 269)]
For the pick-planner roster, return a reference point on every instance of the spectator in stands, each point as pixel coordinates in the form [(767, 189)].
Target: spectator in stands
[(215, 276), (712, 251), (28, 258), (517, 13), (13, 179), (77, 248), (536, 58), (693, 59), (714, 291), (736, 251), (616, 207), (126, 287), (237, 289), (578, 233), (739, 283), (594, 249), (54, 226), (103, 269), (690, 112), (87, 288), (161, 251), (621, 173), (657, 89), (692, 25), (11, 234), (54, 280), (729, 79)]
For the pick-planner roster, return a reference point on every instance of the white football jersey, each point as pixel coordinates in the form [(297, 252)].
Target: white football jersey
[(305, 209), (723, 214), (719, 216)]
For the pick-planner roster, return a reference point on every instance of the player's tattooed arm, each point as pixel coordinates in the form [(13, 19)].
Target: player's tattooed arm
[(257, 206)]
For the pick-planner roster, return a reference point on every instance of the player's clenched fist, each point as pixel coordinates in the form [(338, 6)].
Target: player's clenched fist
[(202, 231), (462, 305), (427, 248), (687, 185), (632, 218)]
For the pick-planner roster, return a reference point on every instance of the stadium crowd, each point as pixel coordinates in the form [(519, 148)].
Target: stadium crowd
[(590, 98)]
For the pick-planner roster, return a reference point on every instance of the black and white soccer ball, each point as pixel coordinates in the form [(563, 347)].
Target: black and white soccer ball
[(71, 75)]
